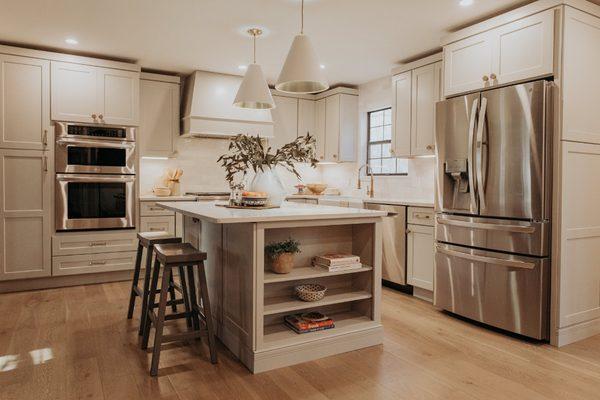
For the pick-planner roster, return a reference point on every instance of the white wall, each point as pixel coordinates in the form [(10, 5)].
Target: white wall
[(198, 159)]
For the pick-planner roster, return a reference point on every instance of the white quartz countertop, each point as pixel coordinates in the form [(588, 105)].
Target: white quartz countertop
[(211, 212), (151, 197), (395, 201)]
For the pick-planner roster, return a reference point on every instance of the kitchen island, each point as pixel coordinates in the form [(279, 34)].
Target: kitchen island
[(249, 301)]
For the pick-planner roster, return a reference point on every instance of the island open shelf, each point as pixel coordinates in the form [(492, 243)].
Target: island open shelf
[(249, 301)]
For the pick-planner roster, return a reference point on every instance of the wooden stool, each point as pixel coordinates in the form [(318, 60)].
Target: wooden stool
[(185, 257), (148, 240)]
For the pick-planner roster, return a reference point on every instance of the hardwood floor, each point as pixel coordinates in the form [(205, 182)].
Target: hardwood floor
[(74, 343)]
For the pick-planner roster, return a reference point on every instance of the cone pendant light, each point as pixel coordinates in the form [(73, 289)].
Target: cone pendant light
[(302, 71), (254, 91)]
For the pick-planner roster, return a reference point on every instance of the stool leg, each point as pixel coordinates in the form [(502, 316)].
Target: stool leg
[(134, 281), (151, 303), (160, 320), (145, 295), (186, 298), (207, 313), (191, 281), (172, 293)]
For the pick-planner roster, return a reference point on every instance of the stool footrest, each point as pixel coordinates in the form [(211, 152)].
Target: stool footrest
[(176, 337)]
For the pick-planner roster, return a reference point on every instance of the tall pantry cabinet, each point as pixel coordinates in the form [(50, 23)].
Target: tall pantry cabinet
[(26, 167)]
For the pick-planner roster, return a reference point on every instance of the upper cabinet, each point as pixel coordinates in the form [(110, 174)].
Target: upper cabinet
[(340, 123), (516, 51), (89, 94), (415, 93), (320, 107), (285, 121), (24, 103), (159, 115)]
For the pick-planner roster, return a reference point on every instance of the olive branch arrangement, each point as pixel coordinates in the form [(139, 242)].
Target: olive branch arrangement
[(247, 152)]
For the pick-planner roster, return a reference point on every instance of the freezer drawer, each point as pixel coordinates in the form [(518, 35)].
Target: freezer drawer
[(506, 291), (523, 237)]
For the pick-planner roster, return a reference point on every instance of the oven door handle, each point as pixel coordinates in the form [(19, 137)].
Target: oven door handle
[(94, 178), (486, 259), (487, 226), (95, 143)]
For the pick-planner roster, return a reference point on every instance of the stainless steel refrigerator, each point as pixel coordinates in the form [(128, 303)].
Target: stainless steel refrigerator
[(493, 207)]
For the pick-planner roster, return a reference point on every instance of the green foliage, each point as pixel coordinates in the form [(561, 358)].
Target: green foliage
[(247, 152), (287, 246)]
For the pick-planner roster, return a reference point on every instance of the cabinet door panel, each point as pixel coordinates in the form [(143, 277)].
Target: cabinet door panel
[(285, 121), (74, 92), (320, 115), (159, 118), (24, 214), (524, 48), (348, 117), (158, 224), (401, 110), (332, 128), (424, 96), (119, 96), (306, 117), (580, 79), (420, 256), (466, 62), (24, 102)]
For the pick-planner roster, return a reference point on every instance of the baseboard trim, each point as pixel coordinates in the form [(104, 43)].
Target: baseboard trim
[(63, 281), (577, 332)]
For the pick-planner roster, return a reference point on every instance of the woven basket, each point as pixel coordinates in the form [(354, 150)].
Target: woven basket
[(310, 292)]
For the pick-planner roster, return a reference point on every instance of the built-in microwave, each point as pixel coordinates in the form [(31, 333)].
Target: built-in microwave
[(94, 201), (94, 156)]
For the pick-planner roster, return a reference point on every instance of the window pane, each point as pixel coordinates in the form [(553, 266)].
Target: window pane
[(387, 116), (402, 167), (375, 166), (376, 118), (377, 134), (385, 150), (387, 132), (375, 151), (388, 166)]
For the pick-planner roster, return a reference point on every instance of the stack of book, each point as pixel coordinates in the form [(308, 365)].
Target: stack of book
[(308, 322), (337, 262)]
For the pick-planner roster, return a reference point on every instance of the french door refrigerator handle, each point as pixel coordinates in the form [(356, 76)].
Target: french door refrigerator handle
[(486, 259), (479, 152), (470, 153), (487, 226)]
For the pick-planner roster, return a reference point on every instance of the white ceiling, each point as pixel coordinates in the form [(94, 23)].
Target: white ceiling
[(357, 40)]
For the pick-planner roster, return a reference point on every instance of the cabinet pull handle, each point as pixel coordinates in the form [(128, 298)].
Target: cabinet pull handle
[(422, 216), (100, 116), (157, 209), (97, 262), (335, 156), (429, 147), (485, 78), (407, 230), (321, 157), (94, 116), (493, 76), (45, 138), (93, 244), (45, 163)]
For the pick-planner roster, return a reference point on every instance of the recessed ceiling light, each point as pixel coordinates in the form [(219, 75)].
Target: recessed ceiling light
[(71, 41), (243, 67), (465, 3), (322, 66)]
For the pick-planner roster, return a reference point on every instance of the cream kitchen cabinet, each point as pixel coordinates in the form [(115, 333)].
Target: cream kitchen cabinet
[(285, 121), (25, 214), (517, 51), (320, 107), (339, 122), (159, 115), (306, 117), (419, 248), (24, 103), (415, 93), (90, 94)]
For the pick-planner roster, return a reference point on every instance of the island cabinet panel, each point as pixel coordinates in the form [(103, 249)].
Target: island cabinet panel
[(24, 103)]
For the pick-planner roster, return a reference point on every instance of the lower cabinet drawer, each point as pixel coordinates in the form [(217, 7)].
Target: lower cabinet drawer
[(93, 242), (150, 209), (420, 216), (93, 263), (157, 224)]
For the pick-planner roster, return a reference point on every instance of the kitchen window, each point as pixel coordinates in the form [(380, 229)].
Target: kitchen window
[(379, 144)]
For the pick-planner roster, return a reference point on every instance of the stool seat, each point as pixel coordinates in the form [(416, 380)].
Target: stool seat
[(151, 238), (178, 253)]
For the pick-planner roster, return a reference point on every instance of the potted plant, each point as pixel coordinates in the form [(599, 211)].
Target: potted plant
[(281, 255), (250, 153)]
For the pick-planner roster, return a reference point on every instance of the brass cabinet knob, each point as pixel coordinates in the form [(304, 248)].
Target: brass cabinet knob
[(101, 116), (94, 116), (485, 78), (335, 156), (429, 147), (493, 77), (407, 230), (392, 151), (321, 157)]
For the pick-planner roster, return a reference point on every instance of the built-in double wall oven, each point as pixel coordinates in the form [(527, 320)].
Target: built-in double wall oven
[(95, 177)]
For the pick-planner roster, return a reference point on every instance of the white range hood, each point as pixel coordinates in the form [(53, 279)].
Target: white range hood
[(208, 109)]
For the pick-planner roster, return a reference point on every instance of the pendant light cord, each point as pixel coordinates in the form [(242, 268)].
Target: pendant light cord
[(302, 18), (254, 45)]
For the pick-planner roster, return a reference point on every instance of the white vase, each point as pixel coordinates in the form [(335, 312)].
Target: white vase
[(268, 181)]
